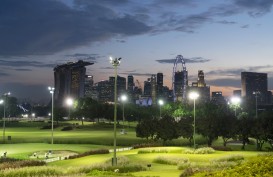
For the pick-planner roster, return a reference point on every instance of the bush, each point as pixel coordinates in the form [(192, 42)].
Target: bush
[(67, 128), (152, 150), (231, 158), (221, 148), (92, 152), (143, 145), (21, 163), (170, 160), (205, 150), (258, 166)]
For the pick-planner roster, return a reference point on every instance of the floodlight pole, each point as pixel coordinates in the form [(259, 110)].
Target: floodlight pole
[(51, 90), (4, 118), (115, 62)]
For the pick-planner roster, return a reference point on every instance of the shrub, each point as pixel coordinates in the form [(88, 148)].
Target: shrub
[(205, 150), (67, 128), (152, 150), (170, 160), (231, 158), (143, 145), (221, 148), (21, 163), (258, 166), (92, 152)]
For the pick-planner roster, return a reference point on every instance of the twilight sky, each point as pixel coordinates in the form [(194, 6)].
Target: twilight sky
[(220, 37)]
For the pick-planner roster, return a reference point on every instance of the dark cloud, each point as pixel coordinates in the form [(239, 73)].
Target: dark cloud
[(23, 69), (255, 8), (226, 22), (137, 74), (49, 26), (120, 41), (3, 73), (86, 57), (237, 71), (187, 60), (245, 26), (24, 63)]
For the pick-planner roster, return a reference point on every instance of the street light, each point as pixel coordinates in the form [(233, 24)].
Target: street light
[(51, 91), (69, 102), (236, 102), (160, 102), (4, 118), (194, 96), (115, 62), (123, 100)]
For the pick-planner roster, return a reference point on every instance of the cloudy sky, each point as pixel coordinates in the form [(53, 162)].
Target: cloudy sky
[(220, 37)]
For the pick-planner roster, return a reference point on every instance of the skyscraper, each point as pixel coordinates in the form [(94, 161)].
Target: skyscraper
[(201, 87), (153, 89), (88, 83), (69, 81), (159, 83), (254, 83), (179, 84)]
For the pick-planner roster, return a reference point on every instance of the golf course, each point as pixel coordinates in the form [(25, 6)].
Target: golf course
[(87, 150)]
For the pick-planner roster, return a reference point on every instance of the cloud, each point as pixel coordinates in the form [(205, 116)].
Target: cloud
[(138, 74), (255, 8), (86, 57), (225, 22), (24, 63), (245, 26), (237, 71), (45, 27), (187, 60), (23, 69), (225, 82), (3, 73)]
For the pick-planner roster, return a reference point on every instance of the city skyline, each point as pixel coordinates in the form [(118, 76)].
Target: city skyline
[(222, 38)]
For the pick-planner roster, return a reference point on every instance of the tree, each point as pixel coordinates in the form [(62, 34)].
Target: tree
[(167, 129), (244, 127), (147, 128), (208, 121), (227, 128), (184, 128)]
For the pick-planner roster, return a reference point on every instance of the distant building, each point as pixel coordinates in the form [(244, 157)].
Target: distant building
[(201, 87), (69, 81), (121, 86), (88, 84), (180, 84), (217, 98), (105, 91), (255, 83), (159, 83), (130, 87), (153, 89), (147, 88)]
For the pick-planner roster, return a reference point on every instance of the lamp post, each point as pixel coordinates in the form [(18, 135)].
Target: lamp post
[(115, 62), (160, 102), (69, 102), (194, 96), (4, 118), (235, 101), (2, 102), (51, 91), (123, 100)]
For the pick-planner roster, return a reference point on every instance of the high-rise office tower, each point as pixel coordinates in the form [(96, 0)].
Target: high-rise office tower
[(201, 79), (201, 87), (254, 84), (159, 82), (217, 98), (153, 89), (130, 87), (69, 81), (147, 88), (121, 85), (88, 83), (180, 84), (105, 91)]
